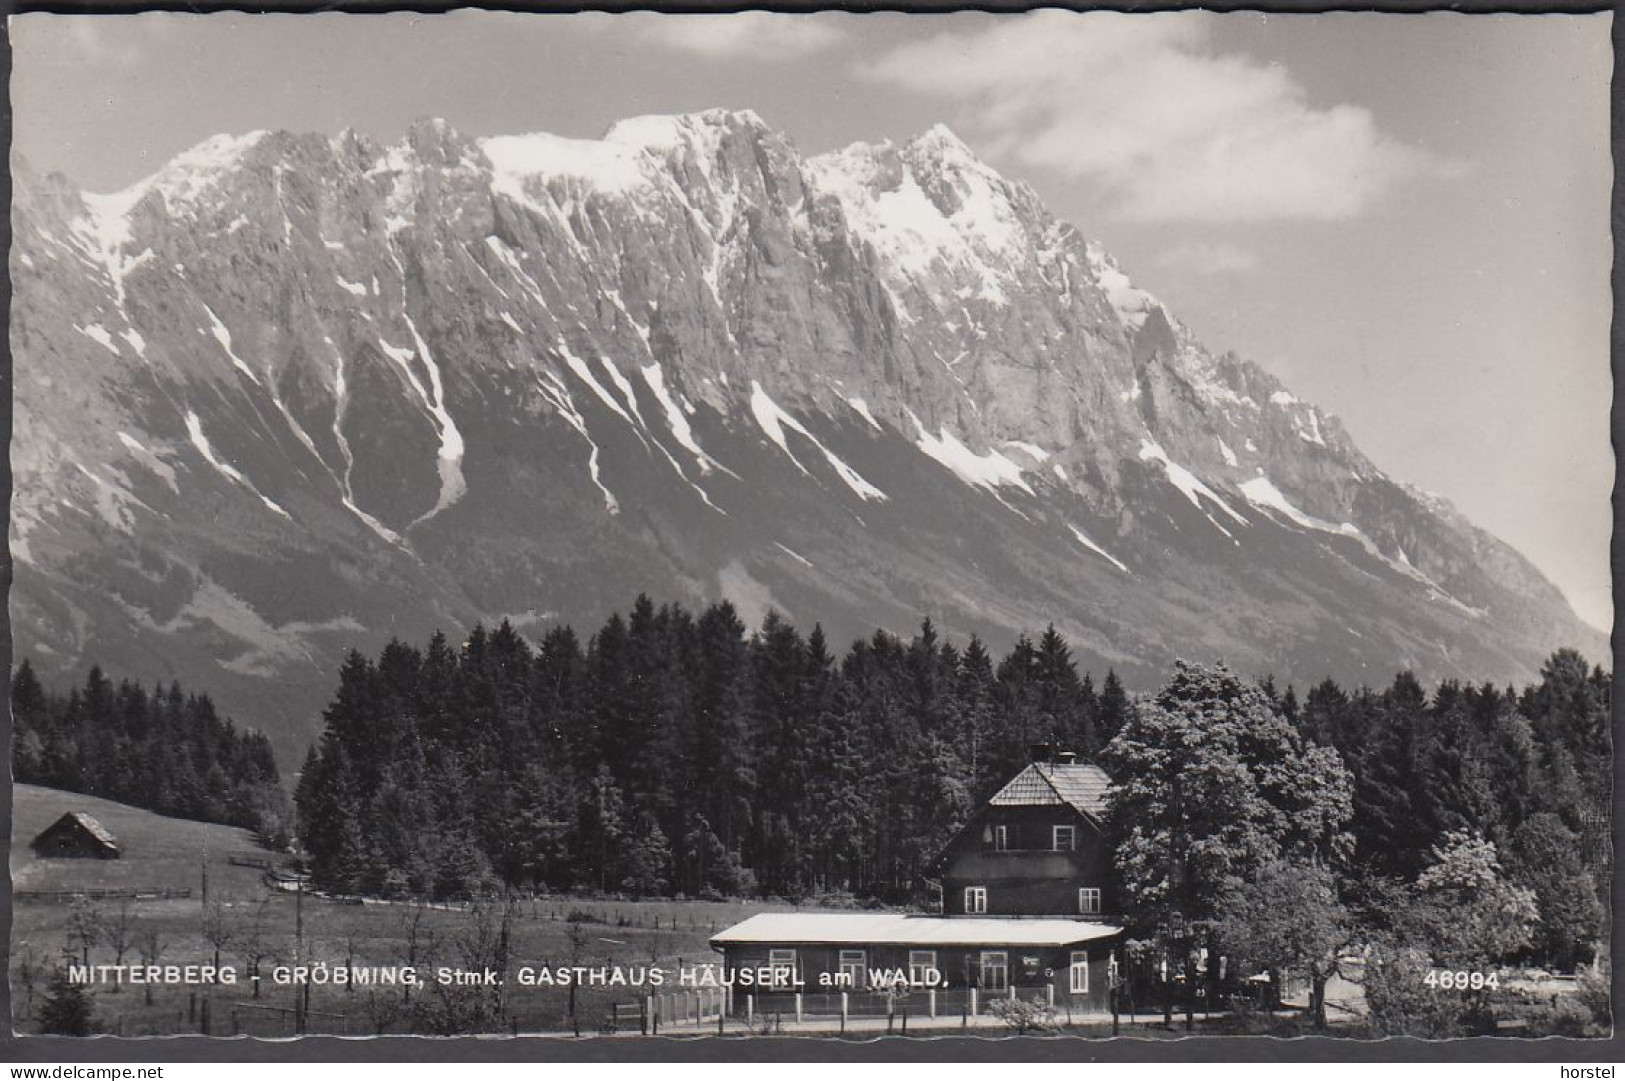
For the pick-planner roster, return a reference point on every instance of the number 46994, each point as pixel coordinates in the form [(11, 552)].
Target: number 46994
[(1462, 981)]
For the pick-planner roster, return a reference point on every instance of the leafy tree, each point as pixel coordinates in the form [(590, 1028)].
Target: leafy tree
[(1288, 917), (1546, 862), (1210, 784), (1467, 911)]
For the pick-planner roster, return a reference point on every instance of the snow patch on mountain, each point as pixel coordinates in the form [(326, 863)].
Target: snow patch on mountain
[(559, 395), (1262, 492), (861, 407), (773, 421), (1132, 304), (1192, 486), (1032, 450), (194, 430), (223, 336), (990, 470), (921, 243), (147, 457), (655, 376), (1084, 540), (797, 556), (98, 334), (519, 161)]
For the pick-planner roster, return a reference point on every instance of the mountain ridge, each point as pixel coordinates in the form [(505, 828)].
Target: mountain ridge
[(291, 392)]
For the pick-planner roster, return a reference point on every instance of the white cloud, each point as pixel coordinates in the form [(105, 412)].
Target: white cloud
[(1209, 260), (751, 35), (1166, 128)]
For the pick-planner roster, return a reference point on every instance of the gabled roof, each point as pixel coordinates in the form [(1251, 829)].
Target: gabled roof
[(88, 824), (1076, 784), (894, 929)]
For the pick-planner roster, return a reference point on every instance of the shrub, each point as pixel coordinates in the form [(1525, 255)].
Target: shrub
[(1022, 1017)]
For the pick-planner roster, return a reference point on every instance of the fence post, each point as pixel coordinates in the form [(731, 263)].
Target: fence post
[(1049, 993), (931, 997), (798, 1007), (750, 1008), (843, 1012)]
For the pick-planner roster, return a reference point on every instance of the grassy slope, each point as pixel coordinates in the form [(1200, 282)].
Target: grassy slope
[(156, 851), (159, 851)]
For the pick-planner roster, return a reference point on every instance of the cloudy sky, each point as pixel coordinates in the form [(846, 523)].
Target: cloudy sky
[(1404, 217)]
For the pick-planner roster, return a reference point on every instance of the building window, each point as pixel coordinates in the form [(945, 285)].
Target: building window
[(1080, 972), (975, 900), (921, 963), (852, 967), (1089, 901), (782, 964), (995, 970), (1001, 838), (1065, 838)]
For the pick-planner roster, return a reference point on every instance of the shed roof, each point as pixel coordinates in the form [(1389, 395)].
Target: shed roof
[(895, 929), (88, 824), (1076, 784)]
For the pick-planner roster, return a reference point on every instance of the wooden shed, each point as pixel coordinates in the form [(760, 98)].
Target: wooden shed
[(76, 835)]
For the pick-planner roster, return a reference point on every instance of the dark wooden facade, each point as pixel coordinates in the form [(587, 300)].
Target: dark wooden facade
[(1013, 856), (1037, 848), (1027, 910), (75, 835)]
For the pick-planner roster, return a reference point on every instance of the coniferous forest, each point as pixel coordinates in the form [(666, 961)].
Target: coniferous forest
[(673, 753), (164, 749)]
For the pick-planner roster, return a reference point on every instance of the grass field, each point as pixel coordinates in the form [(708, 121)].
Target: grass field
[(161, 852), (157, 851), (553, 931)]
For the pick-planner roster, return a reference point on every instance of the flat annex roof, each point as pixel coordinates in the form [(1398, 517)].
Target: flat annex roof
[(896, 929)]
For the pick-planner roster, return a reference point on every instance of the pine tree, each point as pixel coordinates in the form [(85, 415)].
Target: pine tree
[(66, 1009)]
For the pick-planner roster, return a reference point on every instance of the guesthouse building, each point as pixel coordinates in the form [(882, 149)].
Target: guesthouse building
[(1027, 912)]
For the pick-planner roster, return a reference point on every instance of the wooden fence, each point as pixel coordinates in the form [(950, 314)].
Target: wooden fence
[(154, 893)]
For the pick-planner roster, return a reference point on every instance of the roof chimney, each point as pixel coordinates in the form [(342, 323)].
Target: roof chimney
[(1065, 758), (1041, 752)]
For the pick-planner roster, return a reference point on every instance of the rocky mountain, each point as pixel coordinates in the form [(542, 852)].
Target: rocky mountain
[(292, 394)]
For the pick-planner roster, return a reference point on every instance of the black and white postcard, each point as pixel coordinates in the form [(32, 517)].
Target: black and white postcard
[(583, 527)]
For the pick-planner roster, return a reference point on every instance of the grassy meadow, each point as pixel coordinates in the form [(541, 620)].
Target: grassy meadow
[(159, 852)]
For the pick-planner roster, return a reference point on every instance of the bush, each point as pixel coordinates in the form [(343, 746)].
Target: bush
[(1402, 1004), (1022, 1017), (1567, 1016), (1595, 994)]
